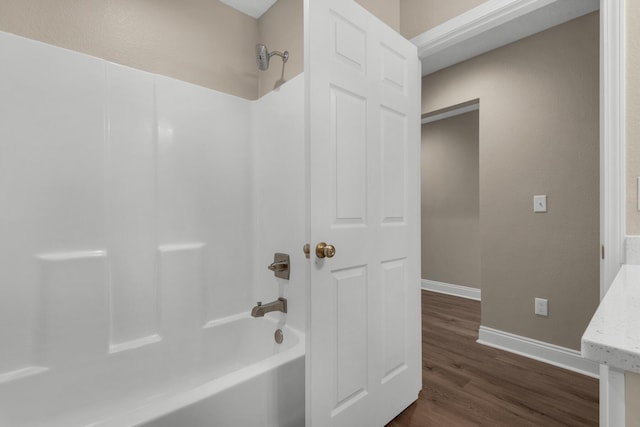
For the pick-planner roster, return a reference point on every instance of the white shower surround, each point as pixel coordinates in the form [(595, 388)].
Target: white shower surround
[(255, 371), (137, 210)]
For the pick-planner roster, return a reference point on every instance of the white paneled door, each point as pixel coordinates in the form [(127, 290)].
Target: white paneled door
[(364, 340)]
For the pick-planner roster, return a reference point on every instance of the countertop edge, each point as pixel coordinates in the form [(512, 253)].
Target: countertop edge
[(603, 341)]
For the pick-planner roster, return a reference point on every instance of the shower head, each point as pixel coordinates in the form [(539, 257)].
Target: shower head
[(263, 56)]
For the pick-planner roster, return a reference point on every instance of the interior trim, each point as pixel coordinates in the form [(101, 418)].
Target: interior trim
[(490, 25), (612, 140), (447, 113), (612, 183), (449, 289), (538, 350)]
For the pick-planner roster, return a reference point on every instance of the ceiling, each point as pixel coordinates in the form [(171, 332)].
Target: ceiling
[(253, 8)]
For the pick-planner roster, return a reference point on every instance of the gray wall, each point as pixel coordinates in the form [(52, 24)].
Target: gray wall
[(632, 394), (388, 11), (418, 16), (539, 134), (203, 42), (632, 100), (282, 28), (198, 41), (450, 201)]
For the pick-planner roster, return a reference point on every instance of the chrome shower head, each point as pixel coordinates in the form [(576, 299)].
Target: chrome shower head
[(263, 56)]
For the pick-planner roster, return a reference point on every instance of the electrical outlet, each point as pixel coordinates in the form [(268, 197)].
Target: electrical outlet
[(542, 307)]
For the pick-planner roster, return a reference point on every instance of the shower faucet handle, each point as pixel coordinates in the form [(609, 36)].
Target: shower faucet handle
[(280, 266)]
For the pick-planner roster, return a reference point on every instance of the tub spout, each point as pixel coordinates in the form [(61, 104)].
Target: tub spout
[(261, 309)]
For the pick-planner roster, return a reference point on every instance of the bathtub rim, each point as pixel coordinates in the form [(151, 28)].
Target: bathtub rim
[(166, 404)]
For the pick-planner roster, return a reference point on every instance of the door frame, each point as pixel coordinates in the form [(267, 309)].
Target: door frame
[(442, 43), (612, 184)]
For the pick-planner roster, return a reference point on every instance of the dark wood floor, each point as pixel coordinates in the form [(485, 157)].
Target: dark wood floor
[(469, 384)]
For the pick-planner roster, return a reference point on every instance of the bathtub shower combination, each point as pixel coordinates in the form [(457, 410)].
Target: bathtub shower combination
[(134, 204), (152, 263)]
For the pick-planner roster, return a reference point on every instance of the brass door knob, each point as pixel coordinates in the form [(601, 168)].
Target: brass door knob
[(323, 250)]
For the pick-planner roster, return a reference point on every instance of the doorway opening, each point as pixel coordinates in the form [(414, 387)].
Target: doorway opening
[(450, 201)]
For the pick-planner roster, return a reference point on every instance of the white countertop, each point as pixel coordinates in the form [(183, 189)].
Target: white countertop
[(613, 336)]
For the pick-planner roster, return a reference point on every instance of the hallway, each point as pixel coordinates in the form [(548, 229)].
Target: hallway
[(468, 384)]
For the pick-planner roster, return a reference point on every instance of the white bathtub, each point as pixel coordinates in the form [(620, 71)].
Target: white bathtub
[(250, 381)]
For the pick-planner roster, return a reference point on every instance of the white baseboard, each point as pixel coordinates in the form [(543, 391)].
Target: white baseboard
[(544, 352), (449, 289)]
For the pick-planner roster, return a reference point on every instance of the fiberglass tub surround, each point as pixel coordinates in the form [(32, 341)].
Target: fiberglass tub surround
[(253, 370), (136, 228)]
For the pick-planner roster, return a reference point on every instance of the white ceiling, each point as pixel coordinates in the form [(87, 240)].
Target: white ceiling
[(253, 8)]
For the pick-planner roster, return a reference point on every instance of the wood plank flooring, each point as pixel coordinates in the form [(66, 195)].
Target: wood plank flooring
[(469, 384)]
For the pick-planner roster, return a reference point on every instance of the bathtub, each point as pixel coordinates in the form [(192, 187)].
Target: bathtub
[(251, 381)]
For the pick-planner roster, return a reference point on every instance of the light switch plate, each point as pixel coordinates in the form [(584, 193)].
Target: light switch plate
[(542, 307), (540, 203)]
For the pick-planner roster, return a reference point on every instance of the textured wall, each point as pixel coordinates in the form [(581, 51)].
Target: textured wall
[(282, 28), (538, 135), (418, 16), (450, 201), (632, 394), (388, 11), (199, 41), (632, 100)]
